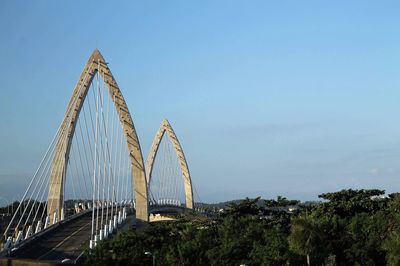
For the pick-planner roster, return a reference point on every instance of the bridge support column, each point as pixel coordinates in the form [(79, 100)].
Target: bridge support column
[(19, 237), (111, 229), (28, 232), (119, 217), (46, 222), (124, 213), (55, 217), (101, 234), (38, 227), (91, 244), (106, 230)]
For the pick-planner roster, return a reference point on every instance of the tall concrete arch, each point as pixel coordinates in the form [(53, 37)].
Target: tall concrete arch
[(96, 64), (166, 127)]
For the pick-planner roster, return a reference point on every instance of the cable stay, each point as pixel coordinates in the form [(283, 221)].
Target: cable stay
[(93, 168), (168, 176), (87, 168)]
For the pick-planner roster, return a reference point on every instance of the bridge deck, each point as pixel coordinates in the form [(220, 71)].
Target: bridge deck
[(68, 241)]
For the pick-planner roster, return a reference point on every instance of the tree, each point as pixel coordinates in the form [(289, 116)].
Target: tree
[(392, 243), (305, 237), (244, 207), (392, 248), (347, 202), (352, 227), (366, 233)]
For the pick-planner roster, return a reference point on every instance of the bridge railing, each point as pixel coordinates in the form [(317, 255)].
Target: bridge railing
[(16, 245), (24, 237)]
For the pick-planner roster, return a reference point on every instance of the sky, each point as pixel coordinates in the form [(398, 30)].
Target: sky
[(292, 98)]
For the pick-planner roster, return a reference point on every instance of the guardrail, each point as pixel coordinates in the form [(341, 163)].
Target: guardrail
[(33, 237)]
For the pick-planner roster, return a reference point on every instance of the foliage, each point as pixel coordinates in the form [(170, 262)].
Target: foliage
[(306, 237), (350, 227)]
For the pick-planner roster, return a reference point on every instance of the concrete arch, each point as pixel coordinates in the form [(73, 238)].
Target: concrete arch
[(166, 127), (96, 63)]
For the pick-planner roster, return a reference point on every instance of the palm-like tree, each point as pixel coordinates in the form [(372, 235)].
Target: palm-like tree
[(305, 235)]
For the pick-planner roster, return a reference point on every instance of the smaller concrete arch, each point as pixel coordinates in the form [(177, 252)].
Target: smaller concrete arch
[(166, 127)]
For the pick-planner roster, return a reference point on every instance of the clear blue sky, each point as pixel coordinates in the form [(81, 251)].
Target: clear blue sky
[(268, 98)]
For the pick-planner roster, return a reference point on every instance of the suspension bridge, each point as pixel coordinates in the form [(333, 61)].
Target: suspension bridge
[(93, 181)]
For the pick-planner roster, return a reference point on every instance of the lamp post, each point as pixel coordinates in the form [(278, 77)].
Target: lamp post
[(151, 254)]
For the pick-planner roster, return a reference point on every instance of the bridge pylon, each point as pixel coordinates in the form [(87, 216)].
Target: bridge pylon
[(96, 64), (166, 128)]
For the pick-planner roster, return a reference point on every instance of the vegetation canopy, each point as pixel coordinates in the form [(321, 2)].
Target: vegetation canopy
[(349, 227)]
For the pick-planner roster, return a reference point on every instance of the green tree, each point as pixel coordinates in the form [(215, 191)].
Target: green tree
[(366, 233), (306, 238), (392, 248), (392, 243), (348, 202)]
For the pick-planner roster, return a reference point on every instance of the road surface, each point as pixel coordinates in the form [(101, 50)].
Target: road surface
[(68, 241)]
